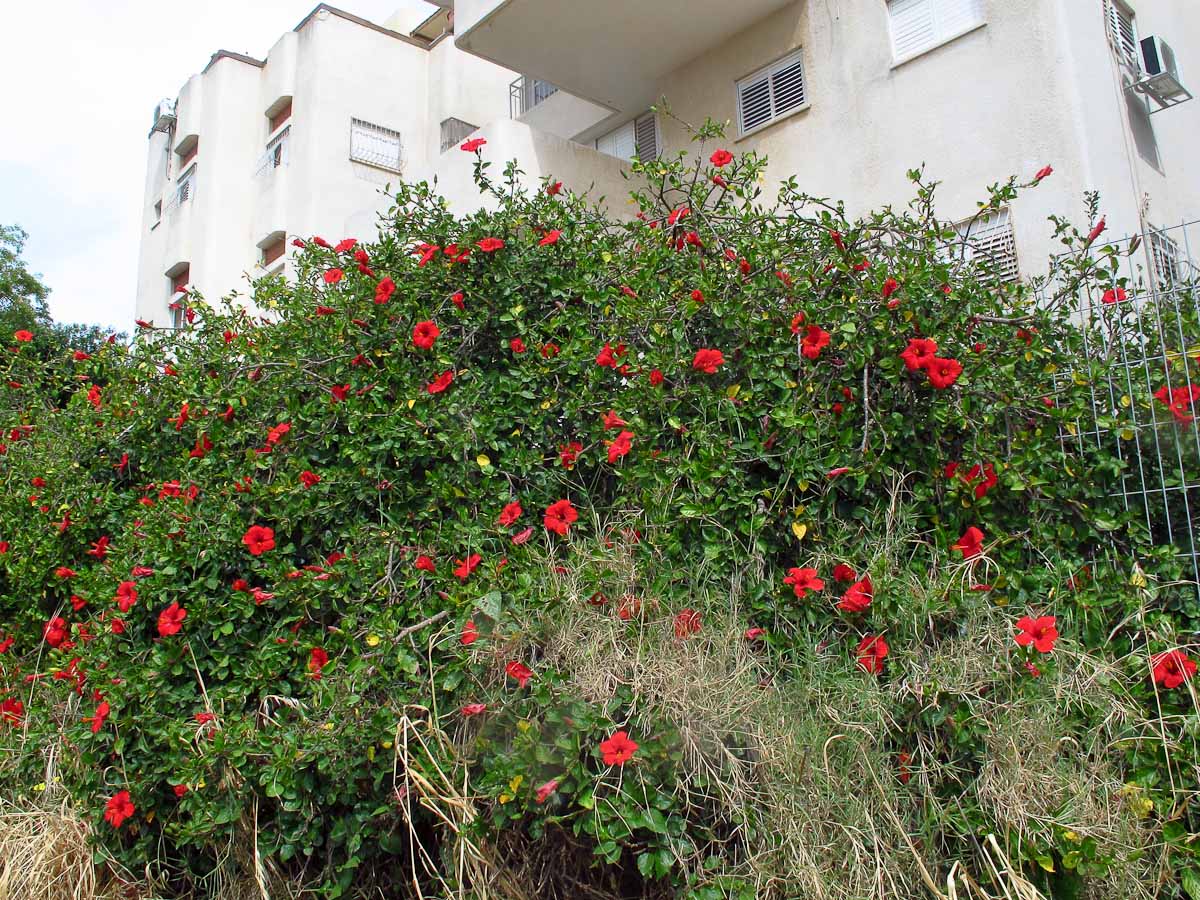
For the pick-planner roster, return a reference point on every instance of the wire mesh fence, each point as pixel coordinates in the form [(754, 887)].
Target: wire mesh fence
[(1142, 339)]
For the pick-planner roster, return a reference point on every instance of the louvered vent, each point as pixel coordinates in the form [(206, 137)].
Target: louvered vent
[(771, 92)]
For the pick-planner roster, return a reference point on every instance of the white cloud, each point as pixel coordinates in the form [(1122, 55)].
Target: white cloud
[(81, 80)]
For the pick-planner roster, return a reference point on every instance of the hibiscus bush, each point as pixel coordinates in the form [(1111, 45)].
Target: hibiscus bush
[(735, 549)]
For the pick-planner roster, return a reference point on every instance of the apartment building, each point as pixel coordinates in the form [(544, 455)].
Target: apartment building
[(254, 152), (847, 95)]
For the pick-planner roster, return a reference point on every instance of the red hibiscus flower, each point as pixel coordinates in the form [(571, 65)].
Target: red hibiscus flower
[(559, 516), (317, 660), (1044, 172), (23, 336), (543, 792), (118, 808), (424, 334), (464, 567), (620, 446), (170, 620), (687, 622), (518, 670), (656, 377), (55, 632), (890, 287), (470, 633), (473, 709), (425, 564), (1172, 668), (1097, 230), (858, 596), (490, 245), (1114, 295), (708, 361), (721, 158), (606, 358), (755, 634), (65, 572), (333, 276), (613, 421), (12, 711), (553, 189), (385, 289), (259, 539), (510, 514), (180, 790), (338, 392), (919, 353), (842, 572), (618, 749), (814, 340), (97, 718), (549, 350), (551, 237), (309, 479), (943, 372), (472, 145), (516, 345), (569, 453), (440, 383), (803, 580), (1039, 632), (970, 544), (872, 650)]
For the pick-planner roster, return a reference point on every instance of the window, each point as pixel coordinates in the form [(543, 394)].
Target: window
[(1121, 32), (770, 93), (187, 151), (989, 240), (374, 145), (920, 25), (157, 212), (454, 132), (186, 187), (1165, 254), (179, 281), (276, 154), (280, 116), (273, 249), (637, 137)]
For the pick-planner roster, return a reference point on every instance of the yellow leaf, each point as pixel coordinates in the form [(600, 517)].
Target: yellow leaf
[(545, 404), (458, 493), (1029, 358), (150, 816), (1125, 401), (518, 309), (1138, 580), (372, 640), (803, 485), (371, 754), (524, 725), (799, 530), (1072, 836), (732, 391), (412, 403), (606, 256), (1079, 379), (908, 314), (386, 745), (516, 433), (1071, 428), (483, 460), (505, 798), (1127, 434), (515, 784), (791, 385)]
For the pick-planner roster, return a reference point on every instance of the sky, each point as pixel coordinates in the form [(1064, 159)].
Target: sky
[(80, 82)]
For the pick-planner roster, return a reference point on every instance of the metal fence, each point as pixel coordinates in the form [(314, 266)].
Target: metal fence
[(525, 93), (1145, 330)]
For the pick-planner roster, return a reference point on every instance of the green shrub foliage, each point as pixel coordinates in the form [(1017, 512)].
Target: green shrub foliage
[(520, 530)]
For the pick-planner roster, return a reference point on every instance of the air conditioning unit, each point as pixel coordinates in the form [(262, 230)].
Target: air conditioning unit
[(1160, 74), (164, 115)]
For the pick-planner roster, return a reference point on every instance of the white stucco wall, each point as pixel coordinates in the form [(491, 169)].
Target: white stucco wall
[(1036, 85)]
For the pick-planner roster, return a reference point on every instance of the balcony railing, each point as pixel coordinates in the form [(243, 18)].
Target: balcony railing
[(525, 93)]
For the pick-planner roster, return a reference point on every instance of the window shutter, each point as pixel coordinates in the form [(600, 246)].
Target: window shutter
[(280, 117), (990, 240), (754, 102), (620, 142), (920, 25), (274, 250), (375, 145), (787, 87), (1122, 31), (645, 130), (1165, 253), (771, 92)]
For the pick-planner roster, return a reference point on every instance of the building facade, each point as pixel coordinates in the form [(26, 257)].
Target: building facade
[(845, 95), (255, 152)]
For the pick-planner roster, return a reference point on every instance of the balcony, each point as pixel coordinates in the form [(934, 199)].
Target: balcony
[(612, 53), (525, 93)]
